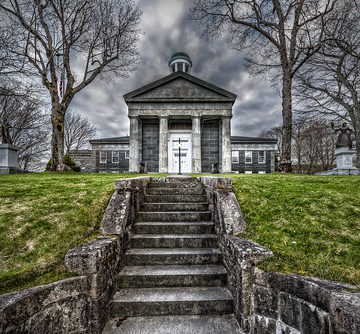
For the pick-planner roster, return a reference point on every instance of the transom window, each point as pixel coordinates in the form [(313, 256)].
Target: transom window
[(235, 157), (248, 157), (103, 157), (261, 157), (115, 157)]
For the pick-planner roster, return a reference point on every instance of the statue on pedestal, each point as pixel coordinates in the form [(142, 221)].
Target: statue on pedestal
[(344, 137)]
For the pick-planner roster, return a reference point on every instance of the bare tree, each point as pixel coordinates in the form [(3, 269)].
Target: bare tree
[(312, 143), (329, 84), (70, 43), (78, 131), (24, 124), (286, 34)]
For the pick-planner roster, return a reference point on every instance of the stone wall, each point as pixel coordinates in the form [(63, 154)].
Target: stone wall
[(272, 302), (80, 304), (209, 145), (150, 145)]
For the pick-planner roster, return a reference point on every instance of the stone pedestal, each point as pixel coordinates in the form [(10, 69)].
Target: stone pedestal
[(344, 163), (9, 163), (344, 158)]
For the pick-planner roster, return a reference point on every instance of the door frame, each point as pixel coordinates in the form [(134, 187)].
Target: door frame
[(182, 134)]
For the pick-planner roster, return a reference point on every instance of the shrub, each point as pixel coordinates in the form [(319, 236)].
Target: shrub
[(70, 162)]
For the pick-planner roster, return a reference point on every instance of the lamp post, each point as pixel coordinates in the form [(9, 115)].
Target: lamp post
[(179, 157)]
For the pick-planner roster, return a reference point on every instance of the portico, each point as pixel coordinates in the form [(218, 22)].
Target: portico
[(180, 106)]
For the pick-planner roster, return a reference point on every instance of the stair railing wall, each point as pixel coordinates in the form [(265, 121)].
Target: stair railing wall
[(272, 302), (80, 304)]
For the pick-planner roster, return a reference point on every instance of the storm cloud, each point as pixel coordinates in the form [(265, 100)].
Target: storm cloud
[(167, 29)]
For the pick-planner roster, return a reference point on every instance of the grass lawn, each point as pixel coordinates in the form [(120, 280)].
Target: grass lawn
[(42, 216), (311, 223)]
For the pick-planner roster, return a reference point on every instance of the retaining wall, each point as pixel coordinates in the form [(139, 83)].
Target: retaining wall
[(80, 304), (272, 302)]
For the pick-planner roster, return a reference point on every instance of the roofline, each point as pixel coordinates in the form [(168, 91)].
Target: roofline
[(252, 140), (131, 96), (244, 140)]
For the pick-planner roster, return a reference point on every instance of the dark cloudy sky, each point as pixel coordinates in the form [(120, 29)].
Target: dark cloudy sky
[(167, 29)]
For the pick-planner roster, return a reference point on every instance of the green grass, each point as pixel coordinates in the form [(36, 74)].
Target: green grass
[(311, 223), (42, 216)]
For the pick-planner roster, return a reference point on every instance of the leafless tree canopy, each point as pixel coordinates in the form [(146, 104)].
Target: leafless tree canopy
[(312, 142), (25, 124), (281, 35), (329, 84), (78, 131), (70, 43)]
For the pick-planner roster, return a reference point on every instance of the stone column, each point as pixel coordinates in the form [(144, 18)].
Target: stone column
[(134, 145), (196, 145), (163, 144), (226, 144)]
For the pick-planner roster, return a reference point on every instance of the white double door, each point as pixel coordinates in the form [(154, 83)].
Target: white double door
[(185, 152)]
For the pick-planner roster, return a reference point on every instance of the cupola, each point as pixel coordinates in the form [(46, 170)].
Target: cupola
[(180, 61)]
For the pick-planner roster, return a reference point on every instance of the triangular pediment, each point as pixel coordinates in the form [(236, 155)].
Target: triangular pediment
[(180, 86)]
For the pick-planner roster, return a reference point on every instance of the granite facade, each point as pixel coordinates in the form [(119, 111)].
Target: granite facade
[(150, 145), (209, 145)]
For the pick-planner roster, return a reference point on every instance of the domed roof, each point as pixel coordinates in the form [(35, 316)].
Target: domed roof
[(180, 55)]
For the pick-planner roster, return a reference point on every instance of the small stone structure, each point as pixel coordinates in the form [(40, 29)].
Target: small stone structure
[(344, 163), (9, 163), (344, 153), (264, 302)]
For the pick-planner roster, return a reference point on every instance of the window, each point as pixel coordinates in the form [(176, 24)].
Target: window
[(261, 157), (115, 157), (235, 157), (127, 155), (103, 157), (248, 157)]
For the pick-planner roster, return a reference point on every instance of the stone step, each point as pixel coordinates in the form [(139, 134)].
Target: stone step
[(174, 227), (147, 216), (175, 191), (175, 206), (171, 276), (175, 198), (180, 178), (150, 256), (174, 241), (179, 324), (132, 302), (194, 184)]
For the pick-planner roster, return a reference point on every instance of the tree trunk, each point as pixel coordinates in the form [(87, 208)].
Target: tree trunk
[(57, 140), (357, 140), (285, 161)]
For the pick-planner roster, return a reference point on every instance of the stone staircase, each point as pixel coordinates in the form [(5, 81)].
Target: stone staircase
[(173, 280)]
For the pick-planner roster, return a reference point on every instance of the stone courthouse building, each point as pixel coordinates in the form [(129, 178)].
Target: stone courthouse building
[(179, 111)]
